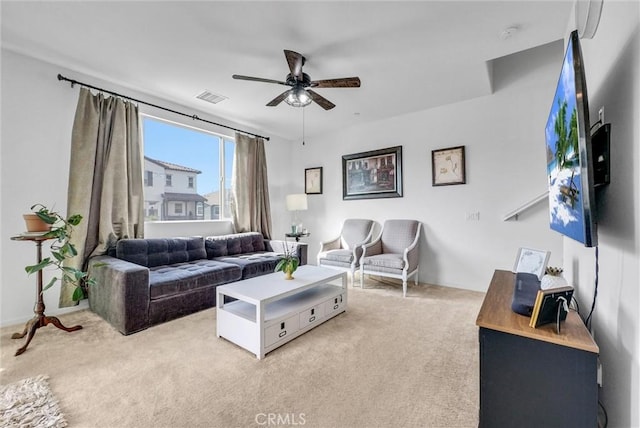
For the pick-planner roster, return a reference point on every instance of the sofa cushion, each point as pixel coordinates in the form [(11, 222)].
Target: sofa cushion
[(161, 251), (233, 245), (215, 247), (237, 243), (253, 264), (178, 278)]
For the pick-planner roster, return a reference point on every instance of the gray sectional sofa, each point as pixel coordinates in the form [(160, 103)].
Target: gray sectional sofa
[(144, 282)]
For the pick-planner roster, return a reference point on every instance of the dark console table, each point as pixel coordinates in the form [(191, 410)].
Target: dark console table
[(297, 235), (39, 319), (533, 377)]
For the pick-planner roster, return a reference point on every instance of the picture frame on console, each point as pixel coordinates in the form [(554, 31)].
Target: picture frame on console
[(313, 181), (532, 261), (448, 166), (372, 174)]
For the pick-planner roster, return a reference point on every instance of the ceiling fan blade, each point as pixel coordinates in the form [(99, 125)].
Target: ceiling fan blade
[(295, 61), (345, 82), (320, 100), (277, 100), (258, 79)]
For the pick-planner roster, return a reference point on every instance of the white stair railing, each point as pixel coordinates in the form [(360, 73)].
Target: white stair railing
[(526, 206)]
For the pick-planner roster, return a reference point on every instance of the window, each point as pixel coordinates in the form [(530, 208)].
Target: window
[(148, 178), (195, 163)]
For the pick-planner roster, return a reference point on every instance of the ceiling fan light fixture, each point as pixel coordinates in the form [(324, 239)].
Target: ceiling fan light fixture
[(298, 97)]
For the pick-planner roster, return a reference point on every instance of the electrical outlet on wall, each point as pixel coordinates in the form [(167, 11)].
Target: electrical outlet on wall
[(473, 216)]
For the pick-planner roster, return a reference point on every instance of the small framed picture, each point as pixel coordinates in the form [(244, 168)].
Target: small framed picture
[(532, 261), (313, 181), (448, 166)]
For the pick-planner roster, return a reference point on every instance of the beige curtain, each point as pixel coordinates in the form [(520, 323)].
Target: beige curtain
[(251, 210), (105, 179)]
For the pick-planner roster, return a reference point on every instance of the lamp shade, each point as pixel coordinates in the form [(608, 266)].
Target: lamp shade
[(297, 202)]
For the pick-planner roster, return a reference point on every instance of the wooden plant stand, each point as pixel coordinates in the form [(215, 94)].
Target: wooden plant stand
[(40, 319)]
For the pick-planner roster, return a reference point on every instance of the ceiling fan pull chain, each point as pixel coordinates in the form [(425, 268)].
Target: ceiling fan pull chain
[(303, 109)]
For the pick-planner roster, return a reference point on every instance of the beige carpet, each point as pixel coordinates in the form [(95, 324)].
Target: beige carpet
[(386, 362)]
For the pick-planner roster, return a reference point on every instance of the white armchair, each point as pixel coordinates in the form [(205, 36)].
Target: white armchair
[(395, 253), (343, 252)]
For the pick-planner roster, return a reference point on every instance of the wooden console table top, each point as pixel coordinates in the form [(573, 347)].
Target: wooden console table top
[(496, 314)]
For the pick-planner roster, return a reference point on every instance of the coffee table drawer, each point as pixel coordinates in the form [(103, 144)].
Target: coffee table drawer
[(280, 330), (311, 315), (335, 304)]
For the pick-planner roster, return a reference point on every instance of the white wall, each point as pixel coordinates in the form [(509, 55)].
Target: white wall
[(37, 117), (505, 159), (612, 66)]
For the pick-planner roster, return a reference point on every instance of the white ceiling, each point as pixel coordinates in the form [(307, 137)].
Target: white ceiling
[(410, 56)]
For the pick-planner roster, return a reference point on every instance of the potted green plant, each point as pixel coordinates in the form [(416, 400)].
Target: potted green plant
[(288, 263), (60, 232)]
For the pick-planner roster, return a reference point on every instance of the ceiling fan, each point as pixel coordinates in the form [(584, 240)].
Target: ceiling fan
[(299, 95)]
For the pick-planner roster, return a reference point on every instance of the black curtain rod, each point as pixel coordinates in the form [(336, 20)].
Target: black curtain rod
[(192, 116)]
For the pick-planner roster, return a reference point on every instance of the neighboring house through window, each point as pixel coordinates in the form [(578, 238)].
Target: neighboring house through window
[(148, 178), (195, 165)]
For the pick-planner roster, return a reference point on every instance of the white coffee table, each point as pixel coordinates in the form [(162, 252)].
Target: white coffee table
[(270, 310)]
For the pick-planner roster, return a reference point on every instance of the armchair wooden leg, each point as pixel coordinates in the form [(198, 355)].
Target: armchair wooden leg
[(404, 284)]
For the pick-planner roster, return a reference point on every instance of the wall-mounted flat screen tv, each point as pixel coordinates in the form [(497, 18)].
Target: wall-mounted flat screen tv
[(568, 144)]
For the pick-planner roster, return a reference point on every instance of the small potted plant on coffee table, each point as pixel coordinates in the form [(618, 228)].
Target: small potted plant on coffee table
[(288, 263)]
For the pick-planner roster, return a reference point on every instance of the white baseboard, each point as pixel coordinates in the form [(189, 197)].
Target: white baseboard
[(53, 312)]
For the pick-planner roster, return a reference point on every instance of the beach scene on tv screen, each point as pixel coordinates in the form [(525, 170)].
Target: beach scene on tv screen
[(563, 157)]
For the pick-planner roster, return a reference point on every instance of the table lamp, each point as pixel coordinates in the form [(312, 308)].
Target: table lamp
[(296, 202)]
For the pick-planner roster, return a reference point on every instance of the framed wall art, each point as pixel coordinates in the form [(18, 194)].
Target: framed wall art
[(448, 166), (313, 181), (372, 174)]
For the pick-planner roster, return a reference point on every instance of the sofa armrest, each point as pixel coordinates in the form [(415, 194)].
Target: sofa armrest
[(121, 293), (278, 246)]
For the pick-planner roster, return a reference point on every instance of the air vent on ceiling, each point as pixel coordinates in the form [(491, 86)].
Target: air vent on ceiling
[(210, 97)]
